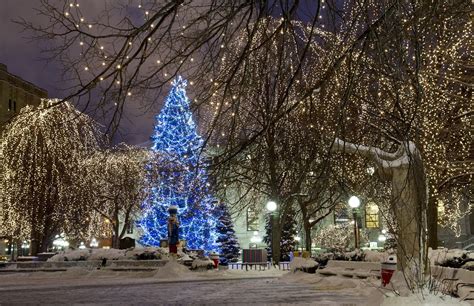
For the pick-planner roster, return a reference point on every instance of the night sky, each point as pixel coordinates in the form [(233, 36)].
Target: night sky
[(23, 58)]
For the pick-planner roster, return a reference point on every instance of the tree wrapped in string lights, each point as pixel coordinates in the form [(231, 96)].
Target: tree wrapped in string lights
[(40, 150), (183, 181)]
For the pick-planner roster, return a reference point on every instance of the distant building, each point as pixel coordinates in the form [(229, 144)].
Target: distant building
[(16, 93)]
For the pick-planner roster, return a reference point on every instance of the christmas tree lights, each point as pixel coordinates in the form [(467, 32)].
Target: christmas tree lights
[(183, 181)]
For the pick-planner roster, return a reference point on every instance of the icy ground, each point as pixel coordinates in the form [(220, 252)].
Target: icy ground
[(171, 285), (175, 284)]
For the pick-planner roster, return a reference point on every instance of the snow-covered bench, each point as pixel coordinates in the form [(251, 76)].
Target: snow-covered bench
[(459, 282)]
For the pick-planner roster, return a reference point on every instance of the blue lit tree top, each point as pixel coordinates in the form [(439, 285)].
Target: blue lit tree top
[(183, 178)]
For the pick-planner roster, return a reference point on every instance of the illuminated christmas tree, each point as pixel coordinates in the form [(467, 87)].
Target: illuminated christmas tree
[(183, 178)]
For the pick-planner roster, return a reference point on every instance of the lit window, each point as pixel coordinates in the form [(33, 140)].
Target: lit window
[(371, 215), (252, 219)]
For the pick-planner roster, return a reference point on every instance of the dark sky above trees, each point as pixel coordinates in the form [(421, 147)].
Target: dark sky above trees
[(23, 58)]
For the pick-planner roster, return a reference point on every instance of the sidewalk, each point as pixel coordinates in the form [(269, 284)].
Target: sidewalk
[(80, 278)]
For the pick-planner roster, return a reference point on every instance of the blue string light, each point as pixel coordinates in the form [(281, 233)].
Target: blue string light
[(183, 179)]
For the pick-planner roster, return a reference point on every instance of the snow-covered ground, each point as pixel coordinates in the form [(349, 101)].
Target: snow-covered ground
[(176, 284), (171, 285)]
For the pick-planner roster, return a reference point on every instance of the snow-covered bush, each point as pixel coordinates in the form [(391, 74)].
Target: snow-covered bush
[(338, 237), (114, 254), (203, 263), (454, 258), (76, 255), (148, 253), (303, 264), (359, 255), (109, 254)]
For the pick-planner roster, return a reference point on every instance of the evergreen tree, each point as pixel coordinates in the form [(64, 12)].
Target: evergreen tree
[(183, 179), (288, 234), (229, 247), (268, 235)]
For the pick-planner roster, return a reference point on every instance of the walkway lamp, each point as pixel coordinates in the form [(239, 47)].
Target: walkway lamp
[(354, 203)]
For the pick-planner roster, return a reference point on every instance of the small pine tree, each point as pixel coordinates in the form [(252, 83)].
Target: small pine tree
[(288, 234), (268, 235), (227, 241)]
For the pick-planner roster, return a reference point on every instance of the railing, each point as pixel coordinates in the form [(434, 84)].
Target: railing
[(465, 243), (284, 265)]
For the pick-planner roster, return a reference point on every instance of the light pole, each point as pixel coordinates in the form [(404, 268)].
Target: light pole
[(272, 207), (354, 203)]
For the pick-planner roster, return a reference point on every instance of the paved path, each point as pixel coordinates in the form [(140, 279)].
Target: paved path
[(207, 292)]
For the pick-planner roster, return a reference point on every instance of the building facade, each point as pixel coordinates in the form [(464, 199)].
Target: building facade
[(16, 93)]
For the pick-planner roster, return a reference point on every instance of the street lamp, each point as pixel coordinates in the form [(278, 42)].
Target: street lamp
[(94, 243), (298, 239), (354, 203), (272, 207)]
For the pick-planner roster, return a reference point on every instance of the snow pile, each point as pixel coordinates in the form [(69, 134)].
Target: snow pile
[(422, 299), (172, 269), (201, 263), (109, 254), (454, 258), (376, 256), (299, 263), (75, 255), (147, 253)]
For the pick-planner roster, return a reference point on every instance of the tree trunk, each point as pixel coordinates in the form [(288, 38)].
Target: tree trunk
[(432, 223), (307, 236), (35, 241), (405, 170), (116, 235), (276, 237)]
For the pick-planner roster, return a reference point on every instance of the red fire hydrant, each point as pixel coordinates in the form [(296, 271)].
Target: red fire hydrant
[(387, 270), (215, 258)]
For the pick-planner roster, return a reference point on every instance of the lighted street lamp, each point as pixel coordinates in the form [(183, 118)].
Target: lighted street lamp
[(354, 203), (297, 239), (94, 243), (60, 243), (272, 207)]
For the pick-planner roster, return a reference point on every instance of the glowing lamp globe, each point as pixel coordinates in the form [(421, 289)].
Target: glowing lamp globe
[(354, 202), (271, 206)]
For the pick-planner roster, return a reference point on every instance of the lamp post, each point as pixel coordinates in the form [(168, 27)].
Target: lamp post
[(354, 203), (272, 207)]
